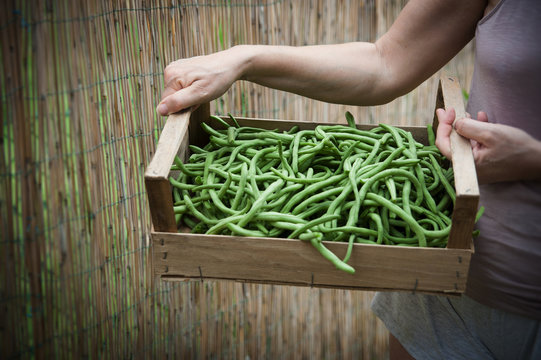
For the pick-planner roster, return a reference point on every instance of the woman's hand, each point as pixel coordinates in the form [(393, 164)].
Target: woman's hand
[(193, 81), (501, 152)]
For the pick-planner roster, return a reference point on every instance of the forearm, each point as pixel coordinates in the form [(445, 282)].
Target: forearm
[(351, 73)]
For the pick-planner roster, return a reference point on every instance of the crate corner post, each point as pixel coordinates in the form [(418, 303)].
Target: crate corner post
[(466, 185)]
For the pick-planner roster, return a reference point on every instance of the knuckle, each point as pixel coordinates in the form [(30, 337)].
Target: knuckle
[(173, 101), (204, 94), (202, 91), (170, 69), (459, 125)]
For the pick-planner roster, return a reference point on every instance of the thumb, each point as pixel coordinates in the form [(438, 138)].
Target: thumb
[(473, 129), (177, 101)]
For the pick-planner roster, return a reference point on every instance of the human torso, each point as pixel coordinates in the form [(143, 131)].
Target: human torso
[(506, 267)]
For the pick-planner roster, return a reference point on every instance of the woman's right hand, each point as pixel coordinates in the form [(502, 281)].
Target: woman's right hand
[(193, 81)]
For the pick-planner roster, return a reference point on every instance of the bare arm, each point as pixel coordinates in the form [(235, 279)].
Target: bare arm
[(425, 36)]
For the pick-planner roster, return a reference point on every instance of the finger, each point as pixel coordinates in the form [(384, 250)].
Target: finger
[(445, 119), (482, 116), (168, 91), (479, 131), (179, 100), (446, 116)]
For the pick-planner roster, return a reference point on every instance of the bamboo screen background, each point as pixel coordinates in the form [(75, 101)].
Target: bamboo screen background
[(79, 83)]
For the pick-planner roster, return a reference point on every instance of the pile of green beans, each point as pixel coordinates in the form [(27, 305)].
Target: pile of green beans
[(333, 183)]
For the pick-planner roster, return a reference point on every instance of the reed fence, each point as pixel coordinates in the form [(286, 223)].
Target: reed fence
[(79, 82)]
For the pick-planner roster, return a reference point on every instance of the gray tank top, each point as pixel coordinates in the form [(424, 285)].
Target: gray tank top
[(505, 270)]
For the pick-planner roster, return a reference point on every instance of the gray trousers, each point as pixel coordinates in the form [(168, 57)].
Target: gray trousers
[(440, 327)]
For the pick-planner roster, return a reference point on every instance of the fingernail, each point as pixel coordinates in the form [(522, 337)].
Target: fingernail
[(162, 109)]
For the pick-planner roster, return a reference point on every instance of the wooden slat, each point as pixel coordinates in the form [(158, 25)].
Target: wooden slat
[(467, 189), (201, 114), (169, 144), (173, 135), (294, 262)]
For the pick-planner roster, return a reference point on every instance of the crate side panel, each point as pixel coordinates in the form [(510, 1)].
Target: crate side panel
[(296, 262)]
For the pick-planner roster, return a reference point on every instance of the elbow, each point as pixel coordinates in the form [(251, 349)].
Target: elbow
[(388, 89), (380, 94), (393, 76)]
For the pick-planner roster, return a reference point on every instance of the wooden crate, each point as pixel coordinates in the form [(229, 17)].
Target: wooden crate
[(182, 256)]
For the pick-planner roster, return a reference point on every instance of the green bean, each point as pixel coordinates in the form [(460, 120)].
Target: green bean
[(311, 224), (349, 229), (379, 225), (407, 218), (350, 119), (436, 177), (221, 121), (183, 168), (329, 255), (341, 129), (394, 132), (307, 180), (315, 198), (283, 160), (266, 135), (236, 229), (260, 201), (406, 190), (346, 155), (234, 120), (309, 190), (450, 190), (277, 216), (189, 222), (429, 200), (220, 225), (284, 225), (431, 135), (241, 187), (184, 186), (196, 149), (196, 212), (314, 209), (391, 186), (252, 169), (443, 203), (383, 164)]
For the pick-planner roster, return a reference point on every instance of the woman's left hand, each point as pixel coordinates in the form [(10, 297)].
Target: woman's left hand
[(501, 152)]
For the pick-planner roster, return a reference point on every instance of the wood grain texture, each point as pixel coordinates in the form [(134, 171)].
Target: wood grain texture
[(172, 142), (294, 262), (466, 186), (169, 145), (462, 156)]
